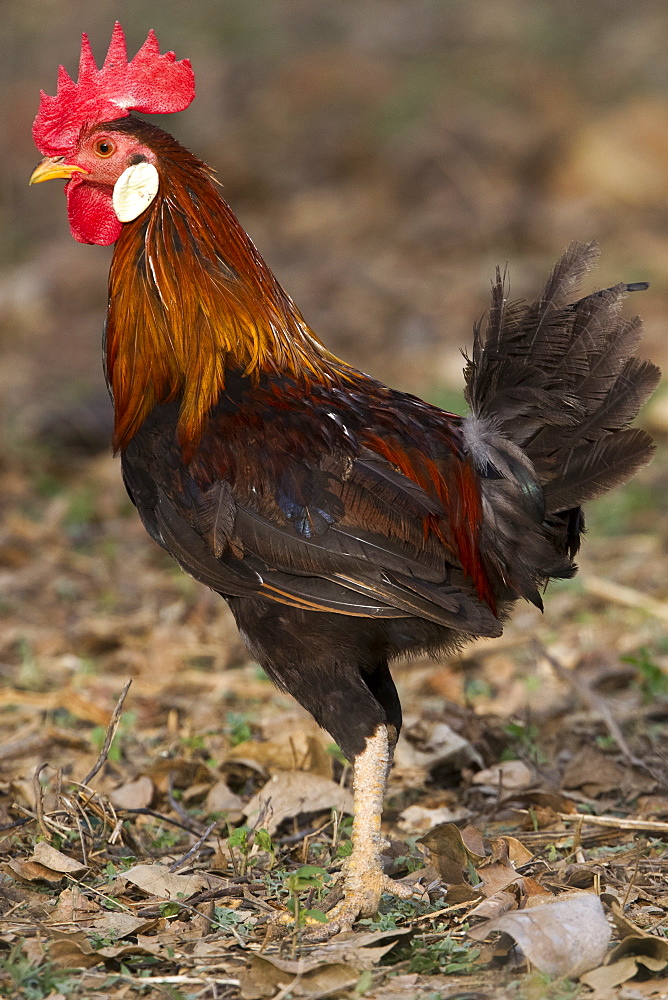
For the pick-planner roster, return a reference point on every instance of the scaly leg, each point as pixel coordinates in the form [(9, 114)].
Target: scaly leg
[(364, 879)]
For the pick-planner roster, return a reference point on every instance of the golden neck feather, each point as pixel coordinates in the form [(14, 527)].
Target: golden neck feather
[(191, 298)]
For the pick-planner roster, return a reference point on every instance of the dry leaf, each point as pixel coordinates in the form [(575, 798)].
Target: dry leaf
[(31, 871), (144, 946), (564, 938), (508, 775), (535, 892), (446, 841), (46, 865), (157, 880), (136, 794), (265, 978), (33, 949), (72, 951), (221, 799), (293, 751), (512, 849), (461, 894), (73, 701), (548, 800), (625, 927), (290, 793), (651, 988), (177, 772), (366, 949), (425, 745), (419, 819), (606, 977), (335, 965), (47, 855), (593, 772), (496, 876), (541, 818), (494, 906), (474, 840), (120, 924), (73, 905), (636, 949), (450, 855), (543, 809)]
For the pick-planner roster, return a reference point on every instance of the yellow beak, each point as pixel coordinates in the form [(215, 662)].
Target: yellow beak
[(52, 167)]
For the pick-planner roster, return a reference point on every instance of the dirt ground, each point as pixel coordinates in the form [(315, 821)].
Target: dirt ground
[(384, 157)]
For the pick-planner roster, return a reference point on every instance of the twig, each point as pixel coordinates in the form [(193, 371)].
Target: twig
[(595, 703), (193, 850), (617, 822), (577, 848), (165, 819), (16, 824), (294, 838), (116, 832), (221, 890), (111, 732), (102, 808), (82, 840), (608, 590), (633, 877), (91, 888), (178, 980), (193, 910), (73, 809), (178, 808), (446, 909), (39, 801), (287, 990)]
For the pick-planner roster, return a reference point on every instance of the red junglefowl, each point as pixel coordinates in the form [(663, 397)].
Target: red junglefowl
[(345, 523)]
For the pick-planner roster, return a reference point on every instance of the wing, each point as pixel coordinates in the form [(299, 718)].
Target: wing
[(308, 509)]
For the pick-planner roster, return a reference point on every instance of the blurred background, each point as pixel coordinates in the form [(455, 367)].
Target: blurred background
[(385, 156)]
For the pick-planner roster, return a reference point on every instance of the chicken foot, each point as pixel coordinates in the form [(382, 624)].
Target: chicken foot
[(364, 881)]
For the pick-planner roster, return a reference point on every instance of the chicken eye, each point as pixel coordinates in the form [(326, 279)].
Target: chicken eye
[(105, 147)]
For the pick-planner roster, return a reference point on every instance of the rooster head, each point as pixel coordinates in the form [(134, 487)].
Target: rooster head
[(111, 175)]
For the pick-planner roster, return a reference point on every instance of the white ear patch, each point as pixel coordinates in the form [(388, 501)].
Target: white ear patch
[(134, 191)]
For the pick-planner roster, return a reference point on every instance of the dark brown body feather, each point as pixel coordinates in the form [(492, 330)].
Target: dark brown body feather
[(346, 523)]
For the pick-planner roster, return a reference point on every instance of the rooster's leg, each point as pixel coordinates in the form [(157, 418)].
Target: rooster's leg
[(364, 879)]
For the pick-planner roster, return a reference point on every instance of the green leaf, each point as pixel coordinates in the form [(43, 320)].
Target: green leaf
[(364, 983), (264, 841), (239, 838), (312, 871)]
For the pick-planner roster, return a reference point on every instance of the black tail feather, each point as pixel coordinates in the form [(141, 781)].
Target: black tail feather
[(553, 386), (556, 377)]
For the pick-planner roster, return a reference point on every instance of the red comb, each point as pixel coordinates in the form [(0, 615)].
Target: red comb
[(151, 83)]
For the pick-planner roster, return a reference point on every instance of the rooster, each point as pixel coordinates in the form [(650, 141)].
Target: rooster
[(344, 522)]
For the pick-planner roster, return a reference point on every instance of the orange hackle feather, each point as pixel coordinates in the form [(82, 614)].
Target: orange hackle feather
[(167, 338)]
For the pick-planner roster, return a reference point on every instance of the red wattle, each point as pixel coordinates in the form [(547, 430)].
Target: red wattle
[(91, 213)]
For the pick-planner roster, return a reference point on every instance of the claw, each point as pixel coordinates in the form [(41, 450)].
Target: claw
[(364, 880), (360, 904)]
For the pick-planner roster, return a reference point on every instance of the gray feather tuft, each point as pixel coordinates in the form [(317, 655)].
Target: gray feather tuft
[(553, 387)]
